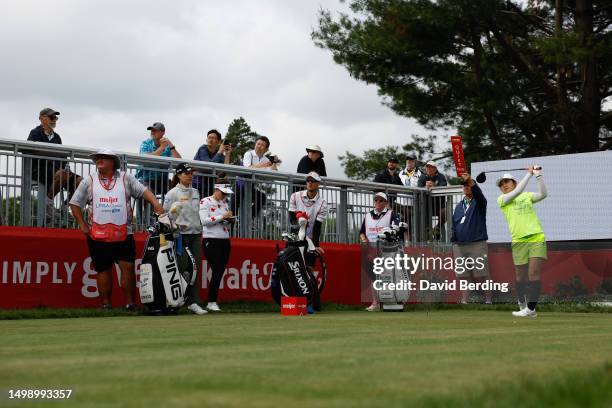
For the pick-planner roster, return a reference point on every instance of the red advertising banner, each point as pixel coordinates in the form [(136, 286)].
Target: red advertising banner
[(458, 158), (52, 268)]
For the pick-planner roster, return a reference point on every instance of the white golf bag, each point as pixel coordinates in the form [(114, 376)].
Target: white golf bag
[(391, 243), (162, 283)]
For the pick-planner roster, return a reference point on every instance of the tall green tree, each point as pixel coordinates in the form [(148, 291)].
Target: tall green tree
[(242, 138), (513, 79)]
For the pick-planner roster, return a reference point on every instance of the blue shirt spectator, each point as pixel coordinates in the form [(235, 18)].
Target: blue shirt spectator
[(157, 145), (215, 152)]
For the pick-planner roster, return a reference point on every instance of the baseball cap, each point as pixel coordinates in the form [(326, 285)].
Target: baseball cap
[(314, 175), (410, 156), (381, 195), (48, 112), (393, 160), (157, 126), (506, 176), (182, 168), (224, 188), (431, 163)]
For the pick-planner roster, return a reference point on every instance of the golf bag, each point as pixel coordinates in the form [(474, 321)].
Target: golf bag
[(291, 276), (390, 243), (162, 284)]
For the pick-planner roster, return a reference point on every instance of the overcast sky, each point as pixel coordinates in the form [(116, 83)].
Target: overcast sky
[(114, 67)]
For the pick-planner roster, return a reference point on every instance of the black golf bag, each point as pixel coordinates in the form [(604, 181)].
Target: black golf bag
[(291, 276), (162, 284)]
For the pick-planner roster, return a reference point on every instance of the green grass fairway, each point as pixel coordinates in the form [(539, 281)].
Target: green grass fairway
[(338, 359)]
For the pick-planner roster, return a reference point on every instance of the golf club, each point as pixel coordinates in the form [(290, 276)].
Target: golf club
[(482, 177)]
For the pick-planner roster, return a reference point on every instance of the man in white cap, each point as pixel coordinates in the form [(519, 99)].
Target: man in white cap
[(315, 206), (433, 178), (375, 221), (109, 228)]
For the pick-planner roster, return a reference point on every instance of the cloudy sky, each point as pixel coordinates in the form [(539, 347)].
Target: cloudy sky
[(114, 67)]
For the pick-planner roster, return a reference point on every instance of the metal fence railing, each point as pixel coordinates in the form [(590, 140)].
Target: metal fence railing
[(29, 170)]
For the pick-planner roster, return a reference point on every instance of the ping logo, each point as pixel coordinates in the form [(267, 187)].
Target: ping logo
[(172, 271)]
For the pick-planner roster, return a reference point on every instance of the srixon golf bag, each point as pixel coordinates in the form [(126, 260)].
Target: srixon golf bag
[(162, 283), (291, 276), (390, 243)]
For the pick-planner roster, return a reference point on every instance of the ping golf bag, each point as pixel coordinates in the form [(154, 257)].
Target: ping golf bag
[(391, 243), (291, 276), (162, 283)]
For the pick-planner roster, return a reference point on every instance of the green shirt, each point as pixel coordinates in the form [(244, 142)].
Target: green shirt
[(523, 222)]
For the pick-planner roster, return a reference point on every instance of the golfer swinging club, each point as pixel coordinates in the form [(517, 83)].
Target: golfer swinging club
[(528, 241)]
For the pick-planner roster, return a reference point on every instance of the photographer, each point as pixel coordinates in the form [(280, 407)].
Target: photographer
[(258, 158)]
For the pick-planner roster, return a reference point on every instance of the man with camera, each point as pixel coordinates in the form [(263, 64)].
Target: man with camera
[(258, 158)]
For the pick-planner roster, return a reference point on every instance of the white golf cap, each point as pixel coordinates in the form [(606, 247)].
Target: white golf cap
[(381, 195), (431, 163), (506, 176), (108, 153), (224, 188), (314, 148), (313, 175)]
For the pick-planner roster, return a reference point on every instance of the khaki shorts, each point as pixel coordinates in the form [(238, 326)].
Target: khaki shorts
[(522, 251), (479, 263)]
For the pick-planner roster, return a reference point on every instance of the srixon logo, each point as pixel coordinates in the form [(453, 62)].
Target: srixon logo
[(295, 268), (172, 274)]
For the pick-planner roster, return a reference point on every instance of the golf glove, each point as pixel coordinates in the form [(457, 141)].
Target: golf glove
[(537, 170)]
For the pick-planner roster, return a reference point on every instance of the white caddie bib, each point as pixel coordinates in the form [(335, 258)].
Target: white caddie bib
[(374, 227), (109, 217)]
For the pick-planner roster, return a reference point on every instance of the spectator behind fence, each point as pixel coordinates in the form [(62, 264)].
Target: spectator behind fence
[(469, 237), (390, 175), (410, 178), (257, 158), (156, 145), (54, 172), (313, 161), (411, 173), (213, 151), (430, 179)]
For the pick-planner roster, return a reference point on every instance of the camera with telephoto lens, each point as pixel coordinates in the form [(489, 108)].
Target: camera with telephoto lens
[(273, 158)]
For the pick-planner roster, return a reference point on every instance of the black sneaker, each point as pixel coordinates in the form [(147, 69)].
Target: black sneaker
[(130, 307), (107, 306)]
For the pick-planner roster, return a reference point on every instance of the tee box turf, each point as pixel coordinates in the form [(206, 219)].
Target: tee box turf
[(293, 306)]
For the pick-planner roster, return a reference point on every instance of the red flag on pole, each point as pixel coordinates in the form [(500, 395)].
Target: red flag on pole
[(458, 158)]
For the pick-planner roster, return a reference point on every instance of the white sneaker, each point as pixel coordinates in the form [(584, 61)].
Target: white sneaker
[(374, 307), (526, 312), (213, 307), (195, 308)]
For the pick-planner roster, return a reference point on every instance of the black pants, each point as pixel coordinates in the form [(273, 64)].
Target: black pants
[(217, 252)]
